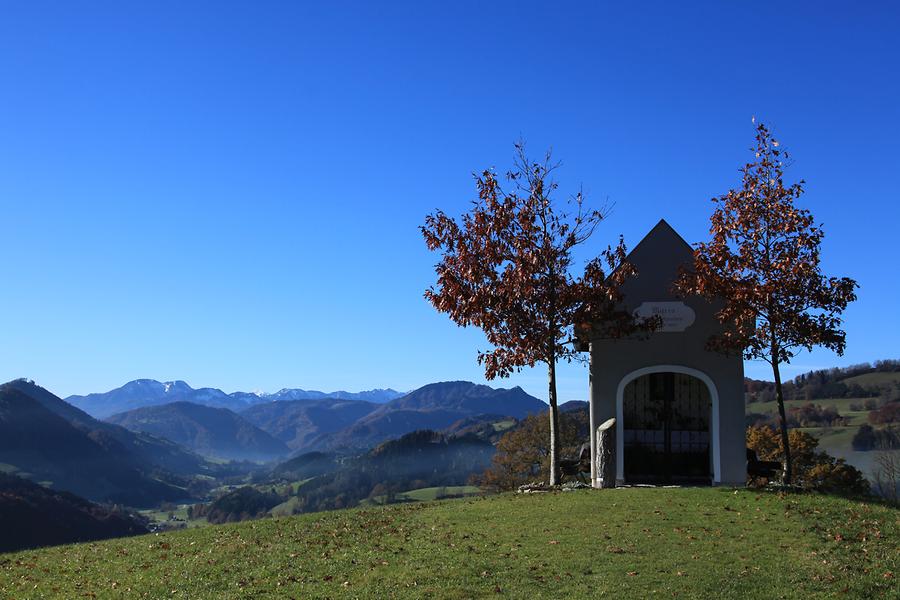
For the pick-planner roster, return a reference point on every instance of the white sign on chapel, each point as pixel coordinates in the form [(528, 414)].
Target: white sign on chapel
[(676, 316)]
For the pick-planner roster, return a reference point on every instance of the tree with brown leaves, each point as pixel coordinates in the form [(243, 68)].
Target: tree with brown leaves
[(506, 267), (523, 453), (763, 261)]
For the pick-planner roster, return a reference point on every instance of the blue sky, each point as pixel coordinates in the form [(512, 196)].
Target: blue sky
[(229, 192)]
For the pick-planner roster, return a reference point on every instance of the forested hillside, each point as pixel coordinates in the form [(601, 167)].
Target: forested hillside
[(32, 515), (37, 443), (880, 379)]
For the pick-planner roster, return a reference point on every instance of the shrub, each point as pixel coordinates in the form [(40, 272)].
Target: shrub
[(889, 413), (886, 476), (870, 438), (814, 415), (813, 469)]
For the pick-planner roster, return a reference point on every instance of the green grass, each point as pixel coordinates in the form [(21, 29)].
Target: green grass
[(832, 437), (626, 543), (297, 484), (286, 508), (431, 493), (428, 494)]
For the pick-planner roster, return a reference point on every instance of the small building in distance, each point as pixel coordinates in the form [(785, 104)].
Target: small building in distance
[(679, 408)]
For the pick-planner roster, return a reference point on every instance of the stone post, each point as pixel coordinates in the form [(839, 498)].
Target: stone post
[(606, 454)]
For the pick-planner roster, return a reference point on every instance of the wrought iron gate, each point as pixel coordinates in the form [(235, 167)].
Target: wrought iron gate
[(666, 429)]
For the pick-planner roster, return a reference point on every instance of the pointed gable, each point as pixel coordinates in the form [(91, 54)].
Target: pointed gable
[(658, 257), (660, 241)]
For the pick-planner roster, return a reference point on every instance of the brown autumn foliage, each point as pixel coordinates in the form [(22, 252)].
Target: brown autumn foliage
[(889, 413), (813, 469), (523, 453), (763, 261), (506, 268)]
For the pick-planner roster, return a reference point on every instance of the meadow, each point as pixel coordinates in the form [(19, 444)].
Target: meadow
[(623, 543)]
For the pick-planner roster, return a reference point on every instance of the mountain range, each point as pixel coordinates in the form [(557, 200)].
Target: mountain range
[(302, 424), (149, 392), (173, 451), (49, 441), (212, 432), (435, 406), (324, 423)]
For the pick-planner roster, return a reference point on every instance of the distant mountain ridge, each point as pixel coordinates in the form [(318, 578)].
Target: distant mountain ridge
[(329, 423), (147, 448), (435, 406), (377, 395), (300, 423), (48, 441), (209, 431), (267, 426), (141, 393)]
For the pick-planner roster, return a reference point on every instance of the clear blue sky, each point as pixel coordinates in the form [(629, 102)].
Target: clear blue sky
[(229, 193)]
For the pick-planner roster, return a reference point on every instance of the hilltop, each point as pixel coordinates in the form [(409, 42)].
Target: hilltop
[(626, 543), (880, 379)]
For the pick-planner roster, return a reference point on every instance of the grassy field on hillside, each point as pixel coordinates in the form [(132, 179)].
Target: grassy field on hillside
[(428, 494), (870, 379), (842, 405), (432, 493), (624, 543)]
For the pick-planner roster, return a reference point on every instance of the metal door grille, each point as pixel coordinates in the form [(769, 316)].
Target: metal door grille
[(666, 429)]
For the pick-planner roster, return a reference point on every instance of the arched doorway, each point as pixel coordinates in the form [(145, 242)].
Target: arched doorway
[(666, 429)]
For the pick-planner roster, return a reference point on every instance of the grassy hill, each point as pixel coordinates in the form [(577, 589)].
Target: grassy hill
[(873, 379), (625, 543)]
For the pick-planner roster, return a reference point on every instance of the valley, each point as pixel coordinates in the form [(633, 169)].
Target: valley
[(183, 464)]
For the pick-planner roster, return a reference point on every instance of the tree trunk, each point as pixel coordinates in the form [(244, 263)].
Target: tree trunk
[(554, 425), (779, 397), (606, 454)]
